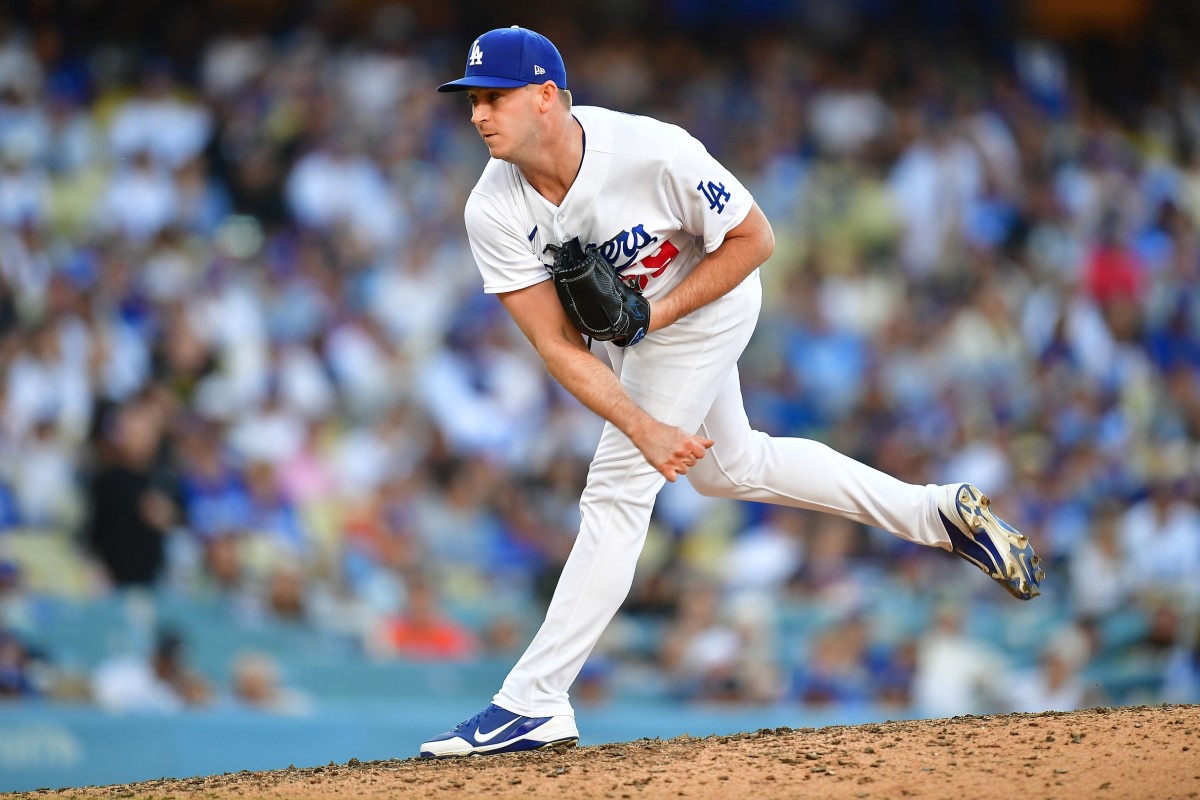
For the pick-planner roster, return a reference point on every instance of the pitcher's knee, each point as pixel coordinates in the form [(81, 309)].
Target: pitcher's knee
[(729, 472), (710, 480)]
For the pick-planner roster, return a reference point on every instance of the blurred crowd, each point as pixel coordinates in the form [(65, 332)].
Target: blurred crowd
[(244, 355)]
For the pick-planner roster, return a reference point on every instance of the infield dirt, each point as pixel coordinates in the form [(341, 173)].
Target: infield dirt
[(1118, 753)]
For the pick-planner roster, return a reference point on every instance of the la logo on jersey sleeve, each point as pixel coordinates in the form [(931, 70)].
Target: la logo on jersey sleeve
[(715, 194)]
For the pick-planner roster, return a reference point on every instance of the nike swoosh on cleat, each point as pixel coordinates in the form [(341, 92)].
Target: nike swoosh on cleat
[(483, 738)]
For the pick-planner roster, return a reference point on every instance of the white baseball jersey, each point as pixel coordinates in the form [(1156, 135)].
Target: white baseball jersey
[(647, 192)]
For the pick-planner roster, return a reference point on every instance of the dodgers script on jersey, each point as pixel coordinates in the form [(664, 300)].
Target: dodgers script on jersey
[(647, 193)]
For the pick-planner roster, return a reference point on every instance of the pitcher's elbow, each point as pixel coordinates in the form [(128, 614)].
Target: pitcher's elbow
[(768, 245)]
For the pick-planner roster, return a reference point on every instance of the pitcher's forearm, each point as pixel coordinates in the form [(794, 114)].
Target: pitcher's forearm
[(745, 248), (592, 383)]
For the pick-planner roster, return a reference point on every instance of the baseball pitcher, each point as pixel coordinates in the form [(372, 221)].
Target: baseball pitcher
[(589, 224)]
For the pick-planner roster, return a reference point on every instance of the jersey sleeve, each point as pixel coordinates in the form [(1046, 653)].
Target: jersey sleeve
[(706, 196), (503, 254)]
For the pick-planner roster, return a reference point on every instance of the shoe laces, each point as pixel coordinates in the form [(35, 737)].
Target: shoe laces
[(478, 718)]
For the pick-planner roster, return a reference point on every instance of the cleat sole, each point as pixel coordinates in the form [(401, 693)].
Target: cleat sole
[(1021, 572)]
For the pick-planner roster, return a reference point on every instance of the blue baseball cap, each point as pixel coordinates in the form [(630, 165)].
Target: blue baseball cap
[(510, 57)]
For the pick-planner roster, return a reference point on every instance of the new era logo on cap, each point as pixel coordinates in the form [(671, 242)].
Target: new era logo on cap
[(515, 57)]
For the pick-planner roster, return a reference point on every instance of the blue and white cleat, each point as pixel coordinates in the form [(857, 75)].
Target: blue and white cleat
[(495, 730), (989, 542)]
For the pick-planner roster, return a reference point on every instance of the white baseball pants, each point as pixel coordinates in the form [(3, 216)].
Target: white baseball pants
[(686, 375)]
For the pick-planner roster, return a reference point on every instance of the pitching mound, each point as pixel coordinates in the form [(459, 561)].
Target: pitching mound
[(1122, 753)]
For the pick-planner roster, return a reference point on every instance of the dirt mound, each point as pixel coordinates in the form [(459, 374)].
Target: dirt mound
[(1144, 752)]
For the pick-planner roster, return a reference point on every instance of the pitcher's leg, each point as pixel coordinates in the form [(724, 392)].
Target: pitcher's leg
[(615, 513), (750, 465)]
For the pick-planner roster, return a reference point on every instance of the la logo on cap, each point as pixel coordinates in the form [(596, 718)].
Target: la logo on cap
[(516, 57)]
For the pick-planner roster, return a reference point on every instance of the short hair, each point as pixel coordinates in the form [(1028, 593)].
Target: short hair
[(564, 95)]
